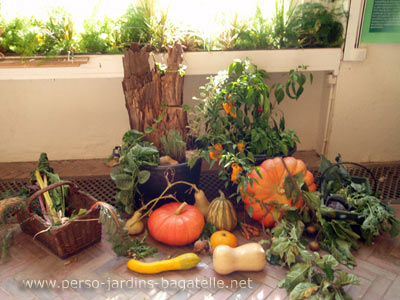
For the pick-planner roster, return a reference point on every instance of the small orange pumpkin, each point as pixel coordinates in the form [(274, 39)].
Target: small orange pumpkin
[(269, 187), (223, 237), (176, 224)]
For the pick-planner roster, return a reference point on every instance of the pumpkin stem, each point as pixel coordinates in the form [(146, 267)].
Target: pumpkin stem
[(222, 195), (180, 208)]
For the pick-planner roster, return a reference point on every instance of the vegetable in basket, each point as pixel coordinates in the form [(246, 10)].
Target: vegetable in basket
[(54, 200)]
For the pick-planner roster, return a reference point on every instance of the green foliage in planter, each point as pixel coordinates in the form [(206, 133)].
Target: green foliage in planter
[(57, 33), (305, 25), (145, 24), (102, 36), (174, 146), (256, 35), (312, 25), (21, 36), (283, 12), (31, 36)]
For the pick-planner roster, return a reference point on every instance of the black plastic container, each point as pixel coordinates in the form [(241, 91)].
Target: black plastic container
[(180, 172)]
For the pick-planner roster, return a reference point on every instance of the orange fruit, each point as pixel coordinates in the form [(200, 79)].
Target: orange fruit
[(223, 237)]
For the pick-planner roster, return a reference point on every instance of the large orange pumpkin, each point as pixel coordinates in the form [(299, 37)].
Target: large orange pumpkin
[(176, 224), (270, 188)]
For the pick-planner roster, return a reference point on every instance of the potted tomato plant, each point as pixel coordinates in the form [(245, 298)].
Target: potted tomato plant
[(236, 112)]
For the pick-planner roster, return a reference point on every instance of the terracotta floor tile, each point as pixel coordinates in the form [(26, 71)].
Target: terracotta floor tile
[(16, 290), (221, 295), (262, 277), (387, 265), (394, 290), (244, 293), (5, 296), (261, 293), (358, 291), (67, 294), (277, 294), (138, 296), (376, 269), (201, 295), (377, 289)]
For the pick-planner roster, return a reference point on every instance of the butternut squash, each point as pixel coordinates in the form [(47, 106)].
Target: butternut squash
[(182, 262), (247, 257)]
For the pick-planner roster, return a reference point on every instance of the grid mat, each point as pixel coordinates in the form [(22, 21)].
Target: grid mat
[(104, 189)]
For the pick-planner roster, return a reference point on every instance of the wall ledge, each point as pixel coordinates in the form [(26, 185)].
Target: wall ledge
[(198, 63)]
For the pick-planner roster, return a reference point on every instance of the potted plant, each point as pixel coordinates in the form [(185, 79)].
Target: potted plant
[(142, 168), (237, 114)]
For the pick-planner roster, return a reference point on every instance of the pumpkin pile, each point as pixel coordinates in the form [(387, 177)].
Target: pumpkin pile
[(179, 224)]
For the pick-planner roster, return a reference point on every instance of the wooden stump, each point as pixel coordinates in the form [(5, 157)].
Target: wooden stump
[(148, 93)]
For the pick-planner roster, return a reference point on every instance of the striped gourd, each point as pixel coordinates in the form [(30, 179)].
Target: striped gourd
[(221, 213)]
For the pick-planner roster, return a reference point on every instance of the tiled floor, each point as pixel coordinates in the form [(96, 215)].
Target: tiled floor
[(378, 267)]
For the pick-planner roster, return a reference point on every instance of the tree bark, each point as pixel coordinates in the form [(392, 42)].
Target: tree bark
[(148, 93)]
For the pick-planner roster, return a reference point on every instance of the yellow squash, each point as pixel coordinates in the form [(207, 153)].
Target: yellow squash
[(182, 262)]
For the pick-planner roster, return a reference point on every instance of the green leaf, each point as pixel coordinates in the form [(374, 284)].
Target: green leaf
[(250, 211), (344, 279), (299, 92), (123, 182), (143, 176), (296, 275), (148, 130), (280, 246), (192, 160), (160, 117), (395, 229), (290, 257), (328, 272), (328, 260), (115, 172), (293, 191), (124, 197), (313, 199), (306, 256), (303, 290), (279, 93)]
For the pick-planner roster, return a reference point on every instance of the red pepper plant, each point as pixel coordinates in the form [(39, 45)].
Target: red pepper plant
[(236, 118)]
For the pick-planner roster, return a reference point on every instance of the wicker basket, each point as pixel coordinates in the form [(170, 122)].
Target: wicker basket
[(71, 237)]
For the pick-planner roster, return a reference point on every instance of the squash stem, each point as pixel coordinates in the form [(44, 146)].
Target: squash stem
[(180, 208), (154, 201)]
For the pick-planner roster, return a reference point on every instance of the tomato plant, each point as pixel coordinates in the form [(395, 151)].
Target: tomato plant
[(237, 109)]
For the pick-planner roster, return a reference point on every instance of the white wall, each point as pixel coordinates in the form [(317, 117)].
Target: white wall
[(366, 113), (68, 119), (85, 118)]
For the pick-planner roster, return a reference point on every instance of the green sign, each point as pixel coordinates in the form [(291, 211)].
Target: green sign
[(381, 22)]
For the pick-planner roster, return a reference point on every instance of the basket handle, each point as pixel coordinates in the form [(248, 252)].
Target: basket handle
[(356, 164), (73, 188)]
